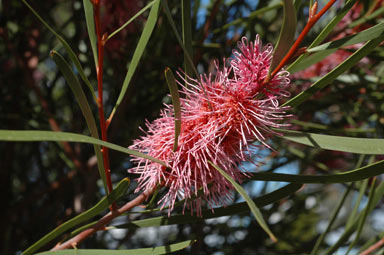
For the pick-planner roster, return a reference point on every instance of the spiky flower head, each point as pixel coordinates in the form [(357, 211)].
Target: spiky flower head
[(222, 115)]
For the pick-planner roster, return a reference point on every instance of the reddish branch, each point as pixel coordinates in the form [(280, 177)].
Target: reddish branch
[(99, 71), (100, 225), (373, 247), (313, 18)]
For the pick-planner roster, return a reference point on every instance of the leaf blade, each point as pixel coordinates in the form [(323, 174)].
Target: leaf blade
[(287, 34), (172, 85), (39, 135), (255, 210), (143, 251), (102, 205), (81, 99), (89, 19)]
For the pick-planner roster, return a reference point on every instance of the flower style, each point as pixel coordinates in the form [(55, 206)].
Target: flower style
[(222, 115)]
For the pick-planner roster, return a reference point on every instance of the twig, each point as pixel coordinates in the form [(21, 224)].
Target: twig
[(373, 247), (100, 225)]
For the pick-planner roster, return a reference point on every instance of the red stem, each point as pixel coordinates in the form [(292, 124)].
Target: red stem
[(311, 22), (100, 225), (99, 71)]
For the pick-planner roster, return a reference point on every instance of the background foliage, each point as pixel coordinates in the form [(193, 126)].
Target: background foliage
[(43, 184)]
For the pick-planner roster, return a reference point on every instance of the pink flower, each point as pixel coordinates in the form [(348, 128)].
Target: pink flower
[(222, 115)]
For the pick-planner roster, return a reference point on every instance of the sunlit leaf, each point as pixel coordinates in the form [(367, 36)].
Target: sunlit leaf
[(38, 136), (89, 18), (331, 76), (254, 209)]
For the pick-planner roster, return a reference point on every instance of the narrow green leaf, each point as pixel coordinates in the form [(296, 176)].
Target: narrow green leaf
[(38, 136), (352, 216), (71, 54), (350, 176), (132, 19), (341, 68), (141, 45), (81, 99), (369, 146), (172, 85), (287, 34), (254, 209), (336, 211), (364, 214), (325, 32), (311, 125), (167, 249), (363, 36), (377, 197), (366, 19), (218, 212), (173, 26), (187, 35), (89, 18), (311, 60), (102, 205)]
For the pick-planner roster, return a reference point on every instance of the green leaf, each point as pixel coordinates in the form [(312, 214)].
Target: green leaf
[(311, 125), (350, 176), (341, 68), (363, 36), (287, 34), (71, 54), (374, 199), (324, 33), (37, 136), (364, 214), (81, 99), (255, 210), (218, 212), (187, 35), (167, 249), (369, 146), (141, 45), (310, 60), (89, 18), (336, 211), (132, 19), (172, 85), (102, 205), (173, 26)]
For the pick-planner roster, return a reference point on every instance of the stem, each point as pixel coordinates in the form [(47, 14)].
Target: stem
[(99, 70), (311, 22), (100, 225)]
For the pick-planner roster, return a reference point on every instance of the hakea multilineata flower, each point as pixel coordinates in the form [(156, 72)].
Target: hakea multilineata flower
[(222, 115)]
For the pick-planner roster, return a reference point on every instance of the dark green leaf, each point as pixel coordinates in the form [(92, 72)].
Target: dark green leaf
[(167, 249), (363, 36), (102, 205), (331, 76), (350, 176), (81, 99), (219, 212), (287, 34), (141, 45), (254, 209), (187, 35), (132, 19), (172, 85)]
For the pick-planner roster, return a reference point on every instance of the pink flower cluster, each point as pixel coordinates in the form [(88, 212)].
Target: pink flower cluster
[(223, 114)]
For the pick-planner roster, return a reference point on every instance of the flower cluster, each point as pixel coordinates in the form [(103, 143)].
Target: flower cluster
[(222, 115)]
